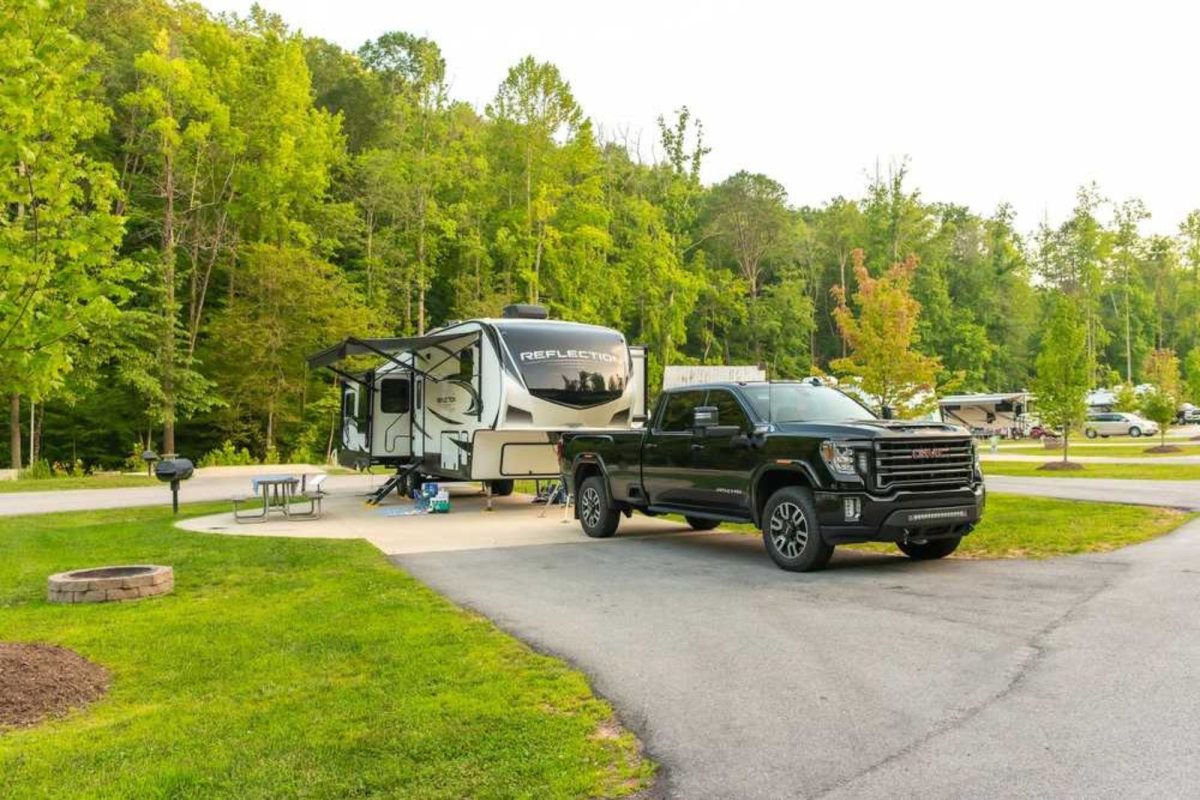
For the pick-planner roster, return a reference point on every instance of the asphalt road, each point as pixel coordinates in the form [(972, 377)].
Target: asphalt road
[(1180, 494), (879, 677), (198, 489)]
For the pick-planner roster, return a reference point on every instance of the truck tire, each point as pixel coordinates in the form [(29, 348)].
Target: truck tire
[(702, 524), (791, 532), (596, 514), (1135, 432), (928, 551), (501, 488)]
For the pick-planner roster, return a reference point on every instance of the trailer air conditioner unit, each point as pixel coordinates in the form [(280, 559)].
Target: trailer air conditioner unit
[(525, 311)]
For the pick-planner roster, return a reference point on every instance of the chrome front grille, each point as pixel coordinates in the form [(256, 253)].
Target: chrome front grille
[(923, 463)]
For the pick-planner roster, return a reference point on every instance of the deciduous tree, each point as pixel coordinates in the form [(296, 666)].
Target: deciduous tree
[(58, 231), (884, 360), (1063, 371)]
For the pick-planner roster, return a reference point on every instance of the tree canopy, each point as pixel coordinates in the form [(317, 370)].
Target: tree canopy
[(182, 187)]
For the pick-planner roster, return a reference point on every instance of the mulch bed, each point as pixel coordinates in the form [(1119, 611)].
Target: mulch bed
[(39, 681), (1060, 466), (1164, 448)]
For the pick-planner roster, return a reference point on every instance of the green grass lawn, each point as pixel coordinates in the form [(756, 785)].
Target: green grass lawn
[(1116, 450), (290, 668), (1154, 472), (82, 482), (1041, 527)]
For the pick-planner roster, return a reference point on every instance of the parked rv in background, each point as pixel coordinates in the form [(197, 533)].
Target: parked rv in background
[(1001, 414), (480, 400)]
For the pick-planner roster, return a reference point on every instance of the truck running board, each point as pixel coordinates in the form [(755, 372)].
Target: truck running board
[(728, 516)]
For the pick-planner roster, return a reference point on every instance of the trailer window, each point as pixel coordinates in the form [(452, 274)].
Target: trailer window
[(394, 397), (574, 365)]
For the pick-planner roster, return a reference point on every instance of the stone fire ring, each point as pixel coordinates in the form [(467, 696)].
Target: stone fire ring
[(102, 584)]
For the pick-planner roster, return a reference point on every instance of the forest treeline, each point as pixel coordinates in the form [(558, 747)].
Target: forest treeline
[(194, 203)]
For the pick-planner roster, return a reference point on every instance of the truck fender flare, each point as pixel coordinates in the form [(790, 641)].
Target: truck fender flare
[(800, 468), (588, 460)]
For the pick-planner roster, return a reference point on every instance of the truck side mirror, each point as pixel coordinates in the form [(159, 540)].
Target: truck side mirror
[(704, 417), (887, 412)]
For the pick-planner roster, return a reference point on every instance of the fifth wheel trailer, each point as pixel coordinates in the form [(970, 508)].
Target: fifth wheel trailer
[(483, 399)]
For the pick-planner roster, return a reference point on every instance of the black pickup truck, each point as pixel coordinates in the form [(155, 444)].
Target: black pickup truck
[(804, 462)]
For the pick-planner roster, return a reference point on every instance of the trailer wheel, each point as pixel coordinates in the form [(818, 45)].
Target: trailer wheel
[(596, 514), (702, 524), (791, 532), (501, 488)]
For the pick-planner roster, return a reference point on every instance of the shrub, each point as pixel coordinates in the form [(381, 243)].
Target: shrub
[(227, 456), (38, 470)]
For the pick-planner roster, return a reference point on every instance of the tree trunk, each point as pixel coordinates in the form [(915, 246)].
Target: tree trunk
[(534, 295), (14, 431), (1066, 442), (270, 426), (168, 332), (34, 449), (1128, 338), (842, 284), (421, 268), (370, 220)]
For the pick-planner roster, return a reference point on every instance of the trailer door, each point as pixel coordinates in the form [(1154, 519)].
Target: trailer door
[(355, 418), (392, 428)]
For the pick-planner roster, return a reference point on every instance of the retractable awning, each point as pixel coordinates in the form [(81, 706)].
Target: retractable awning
[(391, 348), (384, 348)]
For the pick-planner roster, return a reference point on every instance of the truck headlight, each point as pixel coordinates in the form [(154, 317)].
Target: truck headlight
[(839, 458), (976, 462)]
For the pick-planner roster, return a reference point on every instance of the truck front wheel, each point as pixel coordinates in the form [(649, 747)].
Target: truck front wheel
[(791, 532), (596, 514), (927, 551)]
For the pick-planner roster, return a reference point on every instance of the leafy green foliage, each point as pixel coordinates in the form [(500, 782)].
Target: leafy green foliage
[(1064, 371), (227, 455), (177, 149), (884, 362), (60, 279)]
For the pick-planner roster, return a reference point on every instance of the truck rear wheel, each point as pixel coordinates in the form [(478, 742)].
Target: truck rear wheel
[(596, 513), (928, 551), (791, 532), (702, 524)]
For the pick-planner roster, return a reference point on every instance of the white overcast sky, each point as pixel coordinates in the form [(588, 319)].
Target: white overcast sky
[(1004, 101)]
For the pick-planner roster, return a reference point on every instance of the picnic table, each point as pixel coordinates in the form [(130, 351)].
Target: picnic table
[(276, 491)]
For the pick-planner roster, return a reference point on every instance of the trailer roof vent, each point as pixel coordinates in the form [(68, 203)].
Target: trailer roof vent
[(525, 311)]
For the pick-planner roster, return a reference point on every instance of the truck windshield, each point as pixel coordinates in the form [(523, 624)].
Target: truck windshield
[(803, 402), (575, 365)]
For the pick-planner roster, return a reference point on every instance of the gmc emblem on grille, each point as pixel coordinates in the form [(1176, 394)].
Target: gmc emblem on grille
[(930, 452)]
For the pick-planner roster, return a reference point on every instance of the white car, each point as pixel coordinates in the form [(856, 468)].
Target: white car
[(1117, 423)]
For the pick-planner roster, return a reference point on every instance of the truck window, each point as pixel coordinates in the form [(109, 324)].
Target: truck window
[(729, 410), (677, 412)]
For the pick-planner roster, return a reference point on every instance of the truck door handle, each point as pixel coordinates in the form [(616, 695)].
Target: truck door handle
[(650, 445), (697, 446)]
